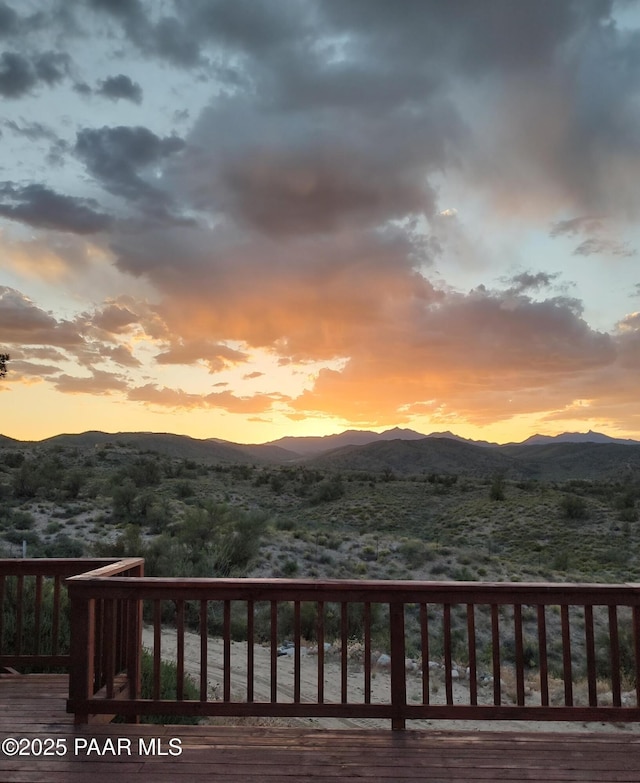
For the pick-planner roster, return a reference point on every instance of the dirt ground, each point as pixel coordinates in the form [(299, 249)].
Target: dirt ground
[(380, 686)]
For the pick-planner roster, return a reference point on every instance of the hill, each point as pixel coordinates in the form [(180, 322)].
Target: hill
[(177, 446), (427, 455), (559, 461), (545, 462), (317, 444), (576, 437)]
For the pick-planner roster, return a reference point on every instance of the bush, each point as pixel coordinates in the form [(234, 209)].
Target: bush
[(496, 491), (414, 552), (168, 689), (327, 490), (573, 507)]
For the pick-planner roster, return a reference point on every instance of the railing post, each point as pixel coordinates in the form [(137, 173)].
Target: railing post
[(134, 644), (82, 653), (398, 666)]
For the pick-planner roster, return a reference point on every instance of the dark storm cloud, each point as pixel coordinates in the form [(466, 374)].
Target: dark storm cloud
[(313, 172), (34, 131), (19, 73), (121, 86), (120, 157), (9, 21), (52, 67), (38, 206)]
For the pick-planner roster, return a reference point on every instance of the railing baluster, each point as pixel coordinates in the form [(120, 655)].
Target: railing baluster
[(227, 651), (636, 649), (37, 614), (19, 597), (100, 650), (55, 620), (591, 655), (274, 651), (296, 652), (344, 639), (133, 659), (2, 582), (157, 648), (204, 651), (109, 646), (615, 656), (495, 645), (367, 652), (250, 650), (320, 636), (517, 622), (566, 656), (473, 674), (424, 644), (180, 650), (542, 656), (448, 657)]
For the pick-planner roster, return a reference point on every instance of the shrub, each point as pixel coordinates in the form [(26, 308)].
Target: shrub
[(496, 491), (414, 552), (168, 689), (573, 507), (290, 568), (327, 490)]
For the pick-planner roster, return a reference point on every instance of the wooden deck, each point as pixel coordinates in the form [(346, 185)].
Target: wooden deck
[(33, 707)]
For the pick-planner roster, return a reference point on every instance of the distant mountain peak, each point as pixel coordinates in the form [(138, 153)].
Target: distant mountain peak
[(577, 437)]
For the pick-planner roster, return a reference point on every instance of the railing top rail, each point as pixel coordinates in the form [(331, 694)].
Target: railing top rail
[(53, 566), (381, 591), (109, 567)]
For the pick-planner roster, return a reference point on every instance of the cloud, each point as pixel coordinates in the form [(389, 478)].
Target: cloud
[(215, 356), (578, 225), (121, 86), (120, 157), (114, 318), (178, 399), (23, 323), (596, 242), (34, 131), (603, 246), (528, 281), (41, 207), (469, 354), (52, 67), (9, 21), (99, 382), (19, 74)]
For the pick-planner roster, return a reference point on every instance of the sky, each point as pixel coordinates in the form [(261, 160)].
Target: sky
[(246, 219)]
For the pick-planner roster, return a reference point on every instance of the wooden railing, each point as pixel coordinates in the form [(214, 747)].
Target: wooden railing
[(34, 621), (522, 651), (105, 639)]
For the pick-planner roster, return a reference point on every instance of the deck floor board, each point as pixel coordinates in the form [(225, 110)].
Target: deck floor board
[(33, 707)]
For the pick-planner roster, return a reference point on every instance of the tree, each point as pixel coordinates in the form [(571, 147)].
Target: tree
[(4, 358)]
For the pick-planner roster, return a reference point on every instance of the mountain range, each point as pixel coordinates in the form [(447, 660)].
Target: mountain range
[(399, 452), (306, 446)]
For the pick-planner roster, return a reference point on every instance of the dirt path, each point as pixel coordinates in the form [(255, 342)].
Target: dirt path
[(380, 686)]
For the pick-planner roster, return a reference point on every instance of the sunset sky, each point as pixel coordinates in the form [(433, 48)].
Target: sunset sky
[(246, 219)]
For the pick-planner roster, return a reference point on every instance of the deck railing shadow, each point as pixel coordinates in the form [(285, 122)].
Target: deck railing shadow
[(563, 644)]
